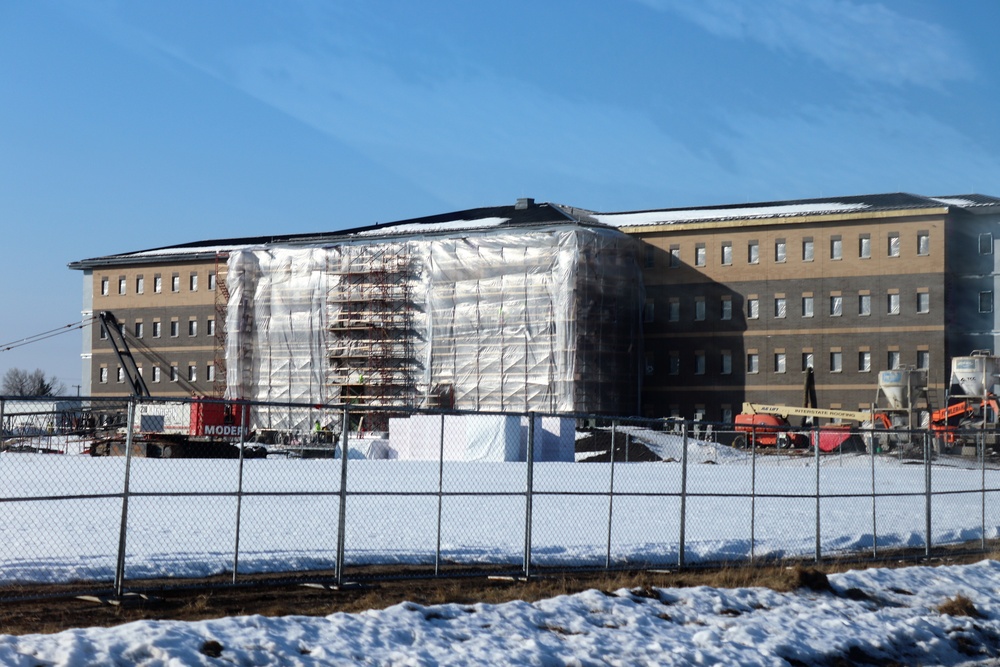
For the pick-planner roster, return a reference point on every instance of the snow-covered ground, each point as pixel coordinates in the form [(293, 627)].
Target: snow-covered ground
[(878, 616), (61, 517)]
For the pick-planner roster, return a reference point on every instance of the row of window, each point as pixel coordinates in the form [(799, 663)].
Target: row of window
[(893, 305), (894, 361), (140, 283), (156, 328), (808, 250), (174, 371)]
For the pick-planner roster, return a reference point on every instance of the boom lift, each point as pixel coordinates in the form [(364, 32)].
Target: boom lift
[(769, 427)]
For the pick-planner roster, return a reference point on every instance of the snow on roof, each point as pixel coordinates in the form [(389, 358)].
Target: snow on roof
[(958, 201), (181, 250), (450, 225), (643, 218)]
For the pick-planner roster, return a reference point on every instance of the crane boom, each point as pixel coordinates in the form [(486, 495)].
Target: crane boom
[(116, 338), (822, 413)]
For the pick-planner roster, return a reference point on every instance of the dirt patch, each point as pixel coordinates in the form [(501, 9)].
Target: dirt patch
[(211, 599)]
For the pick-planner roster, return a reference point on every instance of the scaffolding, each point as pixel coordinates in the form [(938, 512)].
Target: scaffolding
[(221, 306), (370, 315), (544, 319)]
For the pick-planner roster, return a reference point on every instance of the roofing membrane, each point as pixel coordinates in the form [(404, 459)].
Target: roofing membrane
[(643, 218)]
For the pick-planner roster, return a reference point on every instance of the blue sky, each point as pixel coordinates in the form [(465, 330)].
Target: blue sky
[(131, 125)]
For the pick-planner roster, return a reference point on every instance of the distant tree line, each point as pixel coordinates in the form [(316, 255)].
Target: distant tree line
[(19, 382)]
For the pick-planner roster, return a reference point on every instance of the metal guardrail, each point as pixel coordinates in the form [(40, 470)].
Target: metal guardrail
[(452, 493)]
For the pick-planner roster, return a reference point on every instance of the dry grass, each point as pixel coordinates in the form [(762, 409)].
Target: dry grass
[(52, 615), (959, 606)]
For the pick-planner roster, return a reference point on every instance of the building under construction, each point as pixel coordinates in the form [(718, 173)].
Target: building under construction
[(511, 309), (685, 312)]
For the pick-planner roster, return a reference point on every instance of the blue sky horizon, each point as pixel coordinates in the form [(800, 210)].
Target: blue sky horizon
[(128, 126)]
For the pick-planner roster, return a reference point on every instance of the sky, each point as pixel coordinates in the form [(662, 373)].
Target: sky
[(126, 126)]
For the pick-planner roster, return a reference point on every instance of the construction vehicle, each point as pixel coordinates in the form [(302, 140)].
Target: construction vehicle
[(202, 429), (768, 426), (973, 411)]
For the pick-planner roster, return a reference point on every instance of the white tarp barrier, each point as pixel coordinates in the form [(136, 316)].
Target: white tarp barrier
[(494, 438), (544, 319)]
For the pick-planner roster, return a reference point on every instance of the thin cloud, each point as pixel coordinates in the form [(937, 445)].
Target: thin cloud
[(866, 41)]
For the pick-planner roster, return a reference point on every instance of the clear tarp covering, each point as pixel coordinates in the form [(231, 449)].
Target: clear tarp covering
[(543, 319)]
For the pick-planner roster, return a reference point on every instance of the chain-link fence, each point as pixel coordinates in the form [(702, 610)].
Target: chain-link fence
[(143, 493)]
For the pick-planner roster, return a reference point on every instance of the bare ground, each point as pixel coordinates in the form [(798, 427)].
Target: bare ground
[(61, 609)]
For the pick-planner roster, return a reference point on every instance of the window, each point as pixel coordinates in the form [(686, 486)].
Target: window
[(892, 305), (210, 372), (103, 375), (923, 359), (726, 365), (193, 282), (675, 256), (105, 287), (138, 329), (807, 361), (699, 363), (157, 284), (156, 373), (175, 283), (864, 362), (779, 362), (836, 362), (986, 302), (893, 360), (836, 305), (647, 315), (699, 308), (175, 328), (893, 247), (121, 375), (779, 306), (753, 363), (753, 253), (865, 246), (192, 327), (753, 309), (779, 250), (174, 376), (156, 329), (192, 373), (864, 304), (923, 302), (836, 247), (727, 253), (674, 310), (807, 306), (140, 284), (675, 363), (807, 250), (122, 285), (986, 244), (104, 333), (727, 308), (699, 255), (923, 243), (211, 281), (210, 329), (649, 264)]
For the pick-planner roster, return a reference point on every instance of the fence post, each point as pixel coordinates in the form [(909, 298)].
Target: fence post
[(529, 493), (2, 416), (982, 471), (684, 473), (123, 529), (239, 492), (611, 492), (871, 449), (437, 549), (819, 547), (927, 494), (345, 430), (753, 491)]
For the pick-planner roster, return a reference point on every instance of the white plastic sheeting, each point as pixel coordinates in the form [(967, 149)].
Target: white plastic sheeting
[(512, 319), (484, 438)]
